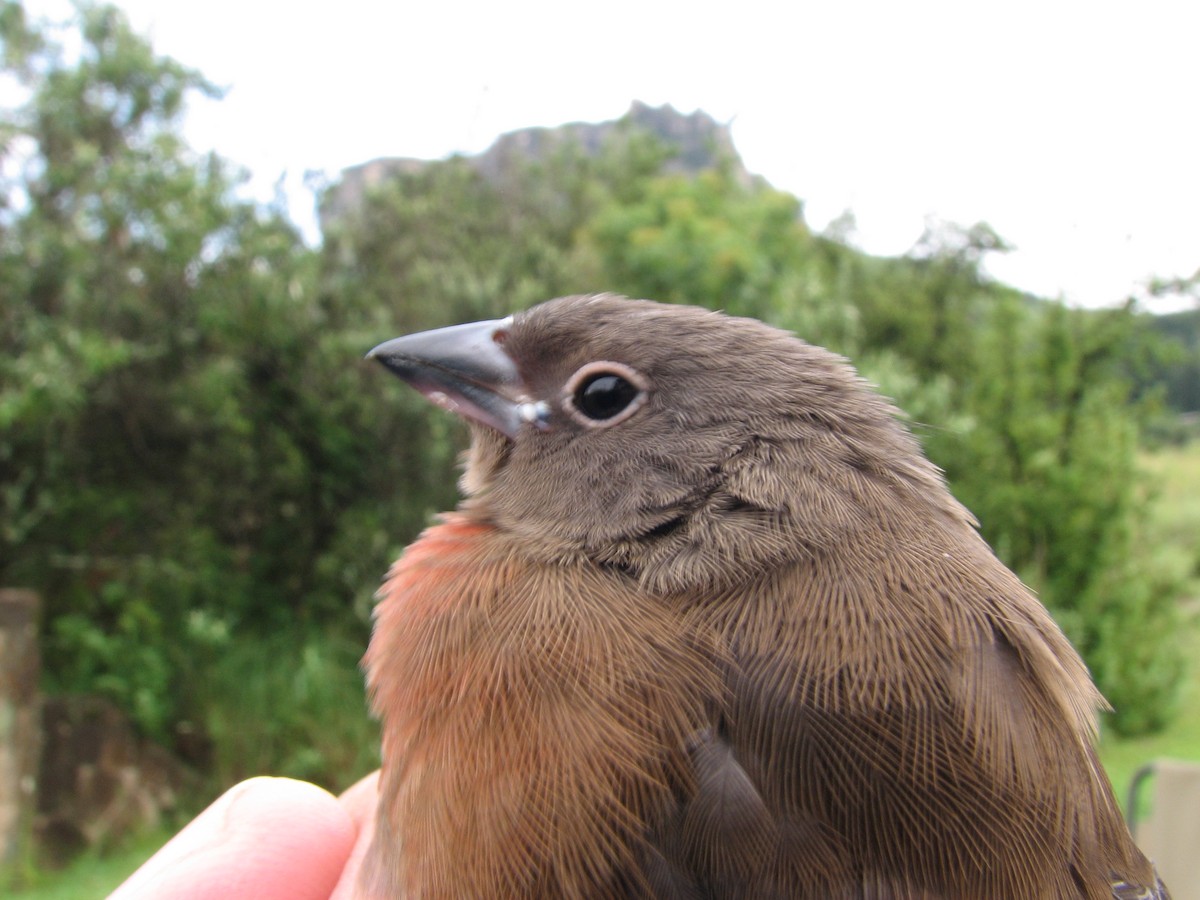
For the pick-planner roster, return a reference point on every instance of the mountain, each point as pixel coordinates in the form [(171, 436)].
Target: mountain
[(697, 142)]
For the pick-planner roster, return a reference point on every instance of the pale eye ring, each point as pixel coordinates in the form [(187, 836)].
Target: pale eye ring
[(604, 393)]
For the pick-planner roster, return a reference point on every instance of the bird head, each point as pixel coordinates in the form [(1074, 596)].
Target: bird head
[(683, 446)]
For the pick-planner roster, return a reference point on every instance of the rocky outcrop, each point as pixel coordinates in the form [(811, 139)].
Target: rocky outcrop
[(20, 732), (99, 780), (696, 141)]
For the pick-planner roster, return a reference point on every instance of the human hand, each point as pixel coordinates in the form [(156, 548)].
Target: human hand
[(265, 838)]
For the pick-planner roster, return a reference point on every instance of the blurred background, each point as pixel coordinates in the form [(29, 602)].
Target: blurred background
[(209, 212)]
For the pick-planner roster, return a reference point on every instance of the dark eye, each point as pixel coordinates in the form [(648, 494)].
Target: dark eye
[(604, 393)]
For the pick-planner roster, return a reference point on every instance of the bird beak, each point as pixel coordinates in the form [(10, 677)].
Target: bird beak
[(464, 369)]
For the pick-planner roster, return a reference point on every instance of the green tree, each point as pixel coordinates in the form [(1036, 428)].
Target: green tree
[(709, 240), (102, 233), (182, 433)]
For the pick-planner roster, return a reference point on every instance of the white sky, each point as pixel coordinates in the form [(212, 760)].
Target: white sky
[(1071, 128)]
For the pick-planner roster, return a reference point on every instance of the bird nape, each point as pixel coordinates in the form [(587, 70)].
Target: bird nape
[(708, 624)]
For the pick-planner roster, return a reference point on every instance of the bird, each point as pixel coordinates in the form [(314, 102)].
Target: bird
[(707, 623)]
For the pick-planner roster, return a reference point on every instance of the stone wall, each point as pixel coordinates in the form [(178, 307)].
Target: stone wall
[(20, 721), (74, 773)]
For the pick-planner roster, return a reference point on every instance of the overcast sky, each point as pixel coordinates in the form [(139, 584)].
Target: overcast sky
[(1071, 128)]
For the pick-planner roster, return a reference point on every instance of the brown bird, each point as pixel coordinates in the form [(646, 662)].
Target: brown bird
[(708, 624)]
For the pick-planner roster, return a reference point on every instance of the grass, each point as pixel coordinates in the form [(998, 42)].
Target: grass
[(1177, 512), (283, 706), (91, 875)]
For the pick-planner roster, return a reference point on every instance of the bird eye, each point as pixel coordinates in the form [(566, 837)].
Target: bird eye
[(604, 393), (603, 396)]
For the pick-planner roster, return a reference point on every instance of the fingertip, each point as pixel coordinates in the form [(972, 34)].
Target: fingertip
[(360, 801), (264, 838), (361, 798)]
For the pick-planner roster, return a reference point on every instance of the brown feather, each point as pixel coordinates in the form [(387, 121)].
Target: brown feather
[(534, 714), (743, 643)]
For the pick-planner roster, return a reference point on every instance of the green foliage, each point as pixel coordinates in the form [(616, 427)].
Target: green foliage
[(94, 260), (183, 416), (94, 874), (300, 709), (1179, 370), (706, 240)]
